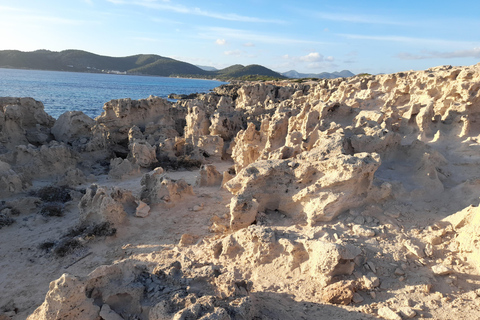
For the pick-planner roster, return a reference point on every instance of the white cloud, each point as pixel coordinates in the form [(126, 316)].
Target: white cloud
[(249, 44), (235, 53), (330, 59), (413, 40), (166, 6), (312, 57), (221, 42), (257, 37)]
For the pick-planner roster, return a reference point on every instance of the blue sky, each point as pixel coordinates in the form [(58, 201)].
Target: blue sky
[(307, 36)]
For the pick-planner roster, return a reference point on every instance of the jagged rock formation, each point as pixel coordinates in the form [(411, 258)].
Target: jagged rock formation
[(327, 184)]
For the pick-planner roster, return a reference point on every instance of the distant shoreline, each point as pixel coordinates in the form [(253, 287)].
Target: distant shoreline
[(113, 73)]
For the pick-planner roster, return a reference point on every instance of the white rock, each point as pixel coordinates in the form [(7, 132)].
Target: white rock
[(363, 231), (441, 270), (108, 314), (407, 312), (413, 248), (387, 313)]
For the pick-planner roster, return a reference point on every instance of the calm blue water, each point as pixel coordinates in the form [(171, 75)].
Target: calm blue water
[(87, 92)]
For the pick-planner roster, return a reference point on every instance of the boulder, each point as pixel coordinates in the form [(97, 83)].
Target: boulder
[(209, 176), (157, 188), (122, 168), (73, 126), (23, 121), (66, 299), (100, 204), (10, 181), (315, 186), (143, 154)]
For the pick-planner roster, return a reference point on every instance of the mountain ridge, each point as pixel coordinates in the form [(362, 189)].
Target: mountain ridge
[(323, 75), (140, 64)]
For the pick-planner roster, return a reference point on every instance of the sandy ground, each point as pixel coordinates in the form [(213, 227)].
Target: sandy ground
[(406, 281)]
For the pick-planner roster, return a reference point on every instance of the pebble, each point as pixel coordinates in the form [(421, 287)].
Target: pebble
[(408, 312), (108, 314), (413, 248), (370, 281), (363, 231), (399, 272), (198, 208), (359, 220), (441, 270), (143, 209), (357, 298), (428, 250), (372, 266), (387, 313)]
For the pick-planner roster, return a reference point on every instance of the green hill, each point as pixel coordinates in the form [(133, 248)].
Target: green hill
[(145, 64)]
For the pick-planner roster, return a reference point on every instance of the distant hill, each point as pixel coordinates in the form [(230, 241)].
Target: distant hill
[(207, 68), (324, 75), (144, 64)]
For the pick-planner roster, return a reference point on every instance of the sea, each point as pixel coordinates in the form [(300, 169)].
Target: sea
[(73, 91)]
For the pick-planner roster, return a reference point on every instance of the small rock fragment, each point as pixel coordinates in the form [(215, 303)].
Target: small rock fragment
[(340, 292), (428, 250), (187, 239), (370, 281), (413, 248), (371, 265), (399, 272), (143, 209), (407, 312), (198, 207), (108, 314), (387, 313), (363, 231), (441, 270), (357, 298)]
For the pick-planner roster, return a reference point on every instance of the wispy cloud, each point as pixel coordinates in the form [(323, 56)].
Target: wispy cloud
[(166, 6), (412, 40), (221, 42), (249, 44), (162, 20), (146, 39), (258, 37), (470, 53), (236, 53), (358, 18), (11, 9)]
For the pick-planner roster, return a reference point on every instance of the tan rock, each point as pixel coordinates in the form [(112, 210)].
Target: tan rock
[(143, 209), (66, 299), (441, 270), (340, 292), (387, 313), (72, 126), (407, 312), (209, 176)]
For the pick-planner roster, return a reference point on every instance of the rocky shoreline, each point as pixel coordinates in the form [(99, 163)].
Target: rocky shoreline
[(352, 198)]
